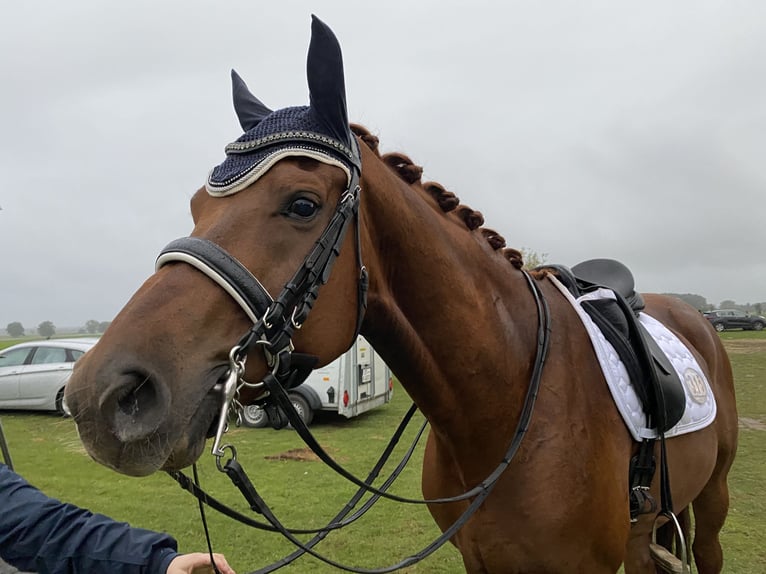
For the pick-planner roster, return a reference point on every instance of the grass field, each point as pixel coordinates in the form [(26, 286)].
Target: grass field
[(47, 452)]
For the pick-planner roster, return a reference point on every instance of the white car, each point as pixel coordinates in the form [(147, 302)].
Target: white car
[(33, 374)]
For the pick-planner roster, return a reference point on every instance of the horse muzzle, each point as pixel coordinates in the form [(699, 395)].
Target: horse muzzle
[(133, 425)]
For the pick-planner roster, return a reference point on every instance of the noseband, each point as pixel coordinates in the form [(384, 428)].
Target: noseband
[(274, 320)]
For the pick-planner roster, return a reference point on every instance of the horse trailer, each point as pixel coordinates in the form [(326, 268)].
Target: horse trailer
[(355, 382)]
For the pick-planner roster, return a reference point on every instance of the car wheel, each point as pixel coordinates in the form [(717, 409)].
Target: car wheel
[(758, 326), (302, 407), (254, 416), (61, 406), (719, 327)]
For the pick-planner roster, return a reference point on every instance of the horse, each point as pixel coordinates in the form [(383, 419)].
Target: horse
[(442, 299)]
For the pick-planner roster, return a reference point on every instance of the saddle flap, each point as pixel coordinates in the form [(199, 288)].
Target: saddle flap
[(669, 393), (656, 382)]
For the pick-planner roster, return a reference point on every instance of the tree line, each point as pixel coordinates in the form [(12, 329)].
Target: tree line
[(47, 329), (534, 259), (701, 304)]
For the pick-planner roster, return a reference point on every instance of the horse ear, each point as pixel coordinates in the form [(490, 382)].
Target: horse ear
[(327, 88), (250, 110)]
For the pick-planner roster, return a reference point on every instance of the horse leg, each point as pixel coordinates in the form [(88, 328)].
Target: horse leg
[(710, 510), (637, 557)]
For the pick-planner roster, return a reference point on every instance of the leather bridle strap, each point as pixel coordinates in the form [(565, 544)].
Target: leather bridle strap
[(275, 320), (340, 520), (225, 270), (282, 399), (479, 493), (290, 309), (483, 490), (4, 449)]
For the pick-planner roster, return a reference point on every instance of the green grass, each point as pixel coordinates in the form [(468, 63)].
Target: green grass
[(742, 536), (7, 341), (47, 451), (741, 334)]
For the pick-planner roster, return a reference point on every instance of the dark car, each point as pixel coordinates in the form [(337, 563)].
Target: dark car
[(724, 319)]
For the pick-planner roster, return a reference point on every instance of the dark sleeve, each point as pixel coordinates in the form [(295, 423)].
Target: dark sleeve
[(41, 534)]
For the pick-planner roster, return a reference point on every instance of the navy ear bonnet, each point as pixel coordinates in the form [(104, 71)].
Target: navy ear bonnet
[(319, 131)]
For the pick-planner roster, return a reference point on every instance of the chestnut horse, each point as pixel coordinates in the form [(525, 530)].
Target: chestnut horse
[(451, 311)]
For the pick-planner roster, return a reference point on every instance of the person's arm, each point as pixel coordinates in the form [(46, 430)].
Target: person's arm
[(41, 533)]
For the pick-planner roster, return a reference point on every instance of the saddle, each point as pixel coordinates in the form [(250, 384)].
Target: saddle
[(655, 380)]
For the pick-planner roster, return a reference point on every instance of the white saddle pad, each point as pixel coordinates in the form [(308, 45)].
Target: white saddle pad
[(700, 404)]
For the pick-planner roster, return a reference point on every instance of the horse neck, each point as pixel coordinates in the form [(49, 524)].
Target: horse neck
[(450, 316)]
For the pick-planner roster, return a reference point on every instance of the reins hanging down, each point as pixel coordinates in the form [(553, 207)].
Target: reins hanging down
[(4, 450), (479, 493), (189, 485)]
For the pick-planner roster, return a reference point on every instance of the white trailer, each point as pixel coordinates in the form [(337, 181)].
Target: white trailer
[(355, 382)]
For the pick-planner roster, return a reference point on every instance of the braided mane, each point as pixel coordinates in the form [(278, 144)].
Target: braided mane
[(447, 201)]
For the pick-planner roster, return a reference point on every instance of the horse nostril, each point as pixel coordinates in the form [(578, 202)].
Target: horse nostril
[(132, 400), (139, 406)]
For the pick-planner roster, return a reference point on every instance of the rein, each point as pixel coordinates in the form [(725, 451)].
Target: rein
[(4, 450), (275, 321), (479, 493), (339, 521)]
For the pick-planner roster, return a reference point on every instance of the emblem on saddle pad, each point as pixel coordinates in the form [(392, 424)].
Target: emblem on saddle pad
[(696, 386), (318, 131)]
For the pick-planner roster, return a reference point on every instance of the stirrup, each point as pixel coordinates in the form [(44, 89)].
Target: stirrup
[(664, 558)]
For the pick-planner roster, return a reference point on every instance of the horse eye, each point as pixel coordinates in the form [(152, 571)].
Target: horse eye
[(303, 208)]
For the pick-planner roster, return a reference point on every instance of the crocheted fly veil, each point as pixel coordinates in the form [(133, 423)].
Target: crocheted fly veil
[(319, 130)]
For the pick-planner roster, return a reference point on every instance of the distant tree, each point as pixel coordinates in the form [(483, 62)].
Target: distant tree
[(532, 258), (15, 329), (758, 308), (46, 329), (103, 326), (91, 326), (728, 304)]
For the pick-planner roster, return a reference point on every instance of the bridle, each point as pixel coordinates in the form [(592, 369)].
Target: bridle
[(274, 320), (274, 323)]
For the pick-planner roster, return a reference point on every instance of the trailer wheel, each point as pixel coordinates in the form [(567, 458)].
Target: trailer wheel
[(254, 416), (302, 407)]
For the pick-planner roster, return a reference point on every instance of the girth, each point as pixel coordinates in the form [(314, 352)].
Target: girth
[(655, 380)]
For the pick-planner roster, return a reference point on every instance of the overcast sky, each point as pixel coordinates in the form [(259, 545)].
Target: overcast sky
[(634, 131)]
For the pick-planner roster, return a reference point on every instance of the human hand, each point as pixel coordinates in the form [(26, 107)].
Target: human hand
[(198, 563)]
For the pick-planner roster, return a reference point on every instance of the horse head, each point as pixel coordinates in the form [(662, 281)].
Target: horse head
[(269, 225)]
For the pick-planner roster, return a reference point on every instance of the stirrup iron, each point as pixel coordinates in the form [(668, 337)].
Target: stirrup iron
[(664, 558)]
